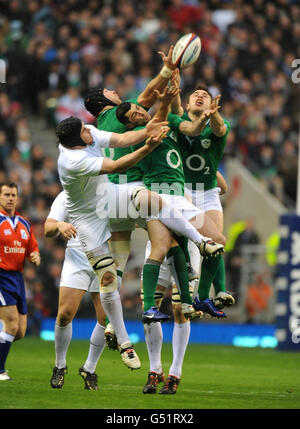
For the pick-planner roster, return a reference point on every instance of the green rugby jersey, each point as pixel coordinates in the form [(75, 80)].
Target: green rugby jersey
[(201, 155), (163, 168), (108, 121)]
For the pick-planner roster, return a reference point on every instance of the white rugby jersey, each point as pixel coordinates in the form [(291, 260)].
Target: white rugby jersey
[(79, 173), (58, 212)]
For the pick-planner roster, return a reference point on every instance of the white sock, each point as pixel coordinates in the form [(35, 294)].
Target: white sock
[(181, 335), (154, 339), (63, 336), (112, 307), (174, 220), (97, 344)]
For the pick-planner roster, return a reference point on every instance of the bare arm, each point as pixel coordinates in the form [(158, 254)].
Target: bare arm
[(53, 227), (194, 128), (217, 124), (165, 99), (131, 138), (176, 106), (125, 162), (148, 97), (222, 184)]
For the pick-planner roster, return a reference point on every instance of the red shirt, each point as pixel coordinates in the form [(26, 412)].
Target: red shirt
[(17, 241)]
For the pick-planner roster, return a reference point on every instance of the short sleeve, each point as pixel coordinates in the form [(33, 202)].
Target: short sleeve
[(86, 166), (175, 121), (58, 209), (101, 138)]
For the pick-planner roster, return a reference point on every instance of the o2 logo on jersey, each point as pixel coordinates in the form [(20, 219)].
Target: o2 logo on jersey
[(173, 163), (205, 143), (196, 162)]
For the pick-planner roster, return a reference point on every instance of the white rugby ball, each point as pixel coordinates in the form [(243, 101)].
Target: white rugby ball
[(186, 51)]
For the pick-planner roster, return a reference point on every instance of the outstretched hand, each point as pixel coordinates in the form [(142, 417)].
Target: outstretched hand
[(155, 126), (152, 142), (167, 59), (168, 94)]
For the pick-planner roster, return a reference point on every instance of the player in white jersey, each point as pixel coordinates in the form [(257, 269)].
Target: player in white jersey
[(80, 165), (77, 278)]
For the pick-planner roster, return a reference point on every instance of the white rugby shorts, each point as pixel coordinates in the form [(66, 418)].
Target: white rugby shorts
[(77, 272), (122, 214)]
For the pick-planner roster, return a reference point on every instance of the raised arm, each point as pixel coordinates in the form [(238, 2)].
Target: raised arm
[(131, 138), (125, 162), (217, 124), (148, 97)]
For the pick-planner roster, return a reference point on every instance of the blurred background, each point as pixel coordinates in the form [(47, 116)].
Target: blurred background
[(55, 50)]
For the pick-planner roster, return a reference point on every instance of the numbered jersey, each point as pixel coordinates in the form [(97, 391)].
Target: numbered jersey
[(201, 155), (163, 168), (108, 121)]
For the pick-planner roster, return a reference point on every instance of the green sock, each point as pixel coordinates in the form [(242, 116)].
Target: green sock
[(179, 272), (220, 278), (183, 243), (208, 272), (150, 277)]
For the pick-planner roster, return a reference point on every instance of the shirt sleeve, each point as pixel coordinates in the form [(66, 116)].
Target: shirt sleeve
[(101, 138), (58, 209), (86, 166), (32, 245), (175, 121)]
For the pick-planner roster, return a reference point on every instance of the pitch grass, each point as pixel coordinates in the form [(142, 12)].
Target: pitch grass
[(214, 377)]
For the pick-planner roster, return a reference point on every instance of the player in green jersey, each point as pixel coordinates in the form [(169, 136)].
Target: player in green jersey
[(202, 136), (102, 104)]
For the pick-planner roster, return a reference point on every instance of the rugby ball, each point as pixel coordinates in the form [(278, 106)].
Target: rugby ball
[(186, 51)]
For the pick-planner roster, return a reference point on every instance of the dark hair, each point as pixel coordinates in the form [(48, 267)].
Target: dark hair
[(68, 132), (204, 88), (95, 101), (9, 185), (121, 111)]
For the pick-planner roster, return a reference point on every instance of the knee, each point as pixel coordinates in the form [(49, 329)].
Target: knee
[(20, 334), (219, 238), (64, 317), (107, 279), (178, 316)]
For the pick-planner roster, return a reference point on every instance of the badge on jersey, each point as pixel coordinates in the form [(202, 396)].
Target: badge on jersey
[(23, 234), (206, 143), (7, 232)]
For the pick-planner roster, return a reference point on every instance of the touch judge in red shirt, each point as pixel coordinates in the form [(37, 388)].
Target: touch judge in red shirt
[(17, 242)]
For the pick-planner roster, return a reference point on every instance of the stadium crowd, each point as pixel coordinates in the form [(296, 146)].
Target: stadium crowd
[(56, 50)]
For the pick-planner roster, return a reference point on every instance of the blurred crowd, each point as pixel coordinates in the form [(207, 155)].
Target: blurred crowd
[(55, 50)]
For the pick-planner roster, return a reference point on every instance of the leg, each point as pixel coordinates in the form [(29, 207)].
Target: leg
[(160, 238), (223, 298), (105, 270), (68, 303), (97, 344), (154, 339), (10, 318)]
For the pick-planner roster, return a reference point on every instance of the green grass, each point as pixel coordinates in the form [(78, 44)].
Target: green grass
[(214, 377)]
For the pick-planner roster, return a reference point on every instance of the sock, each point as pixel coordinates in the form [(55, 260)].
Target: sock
[(112, 306), (97, 344), (208, 272), (174, 220), (183, 243), (220, 278), (180, 339), (177, 263), (150, 277), (154, 339), (6, 341), (119, 277), (63, 336)]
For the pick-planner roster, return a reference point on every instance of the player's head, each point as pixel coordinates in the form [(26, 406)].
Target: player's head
[(199, 100), (98, 98), (72, 132), (132, 115), (8, 197)]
